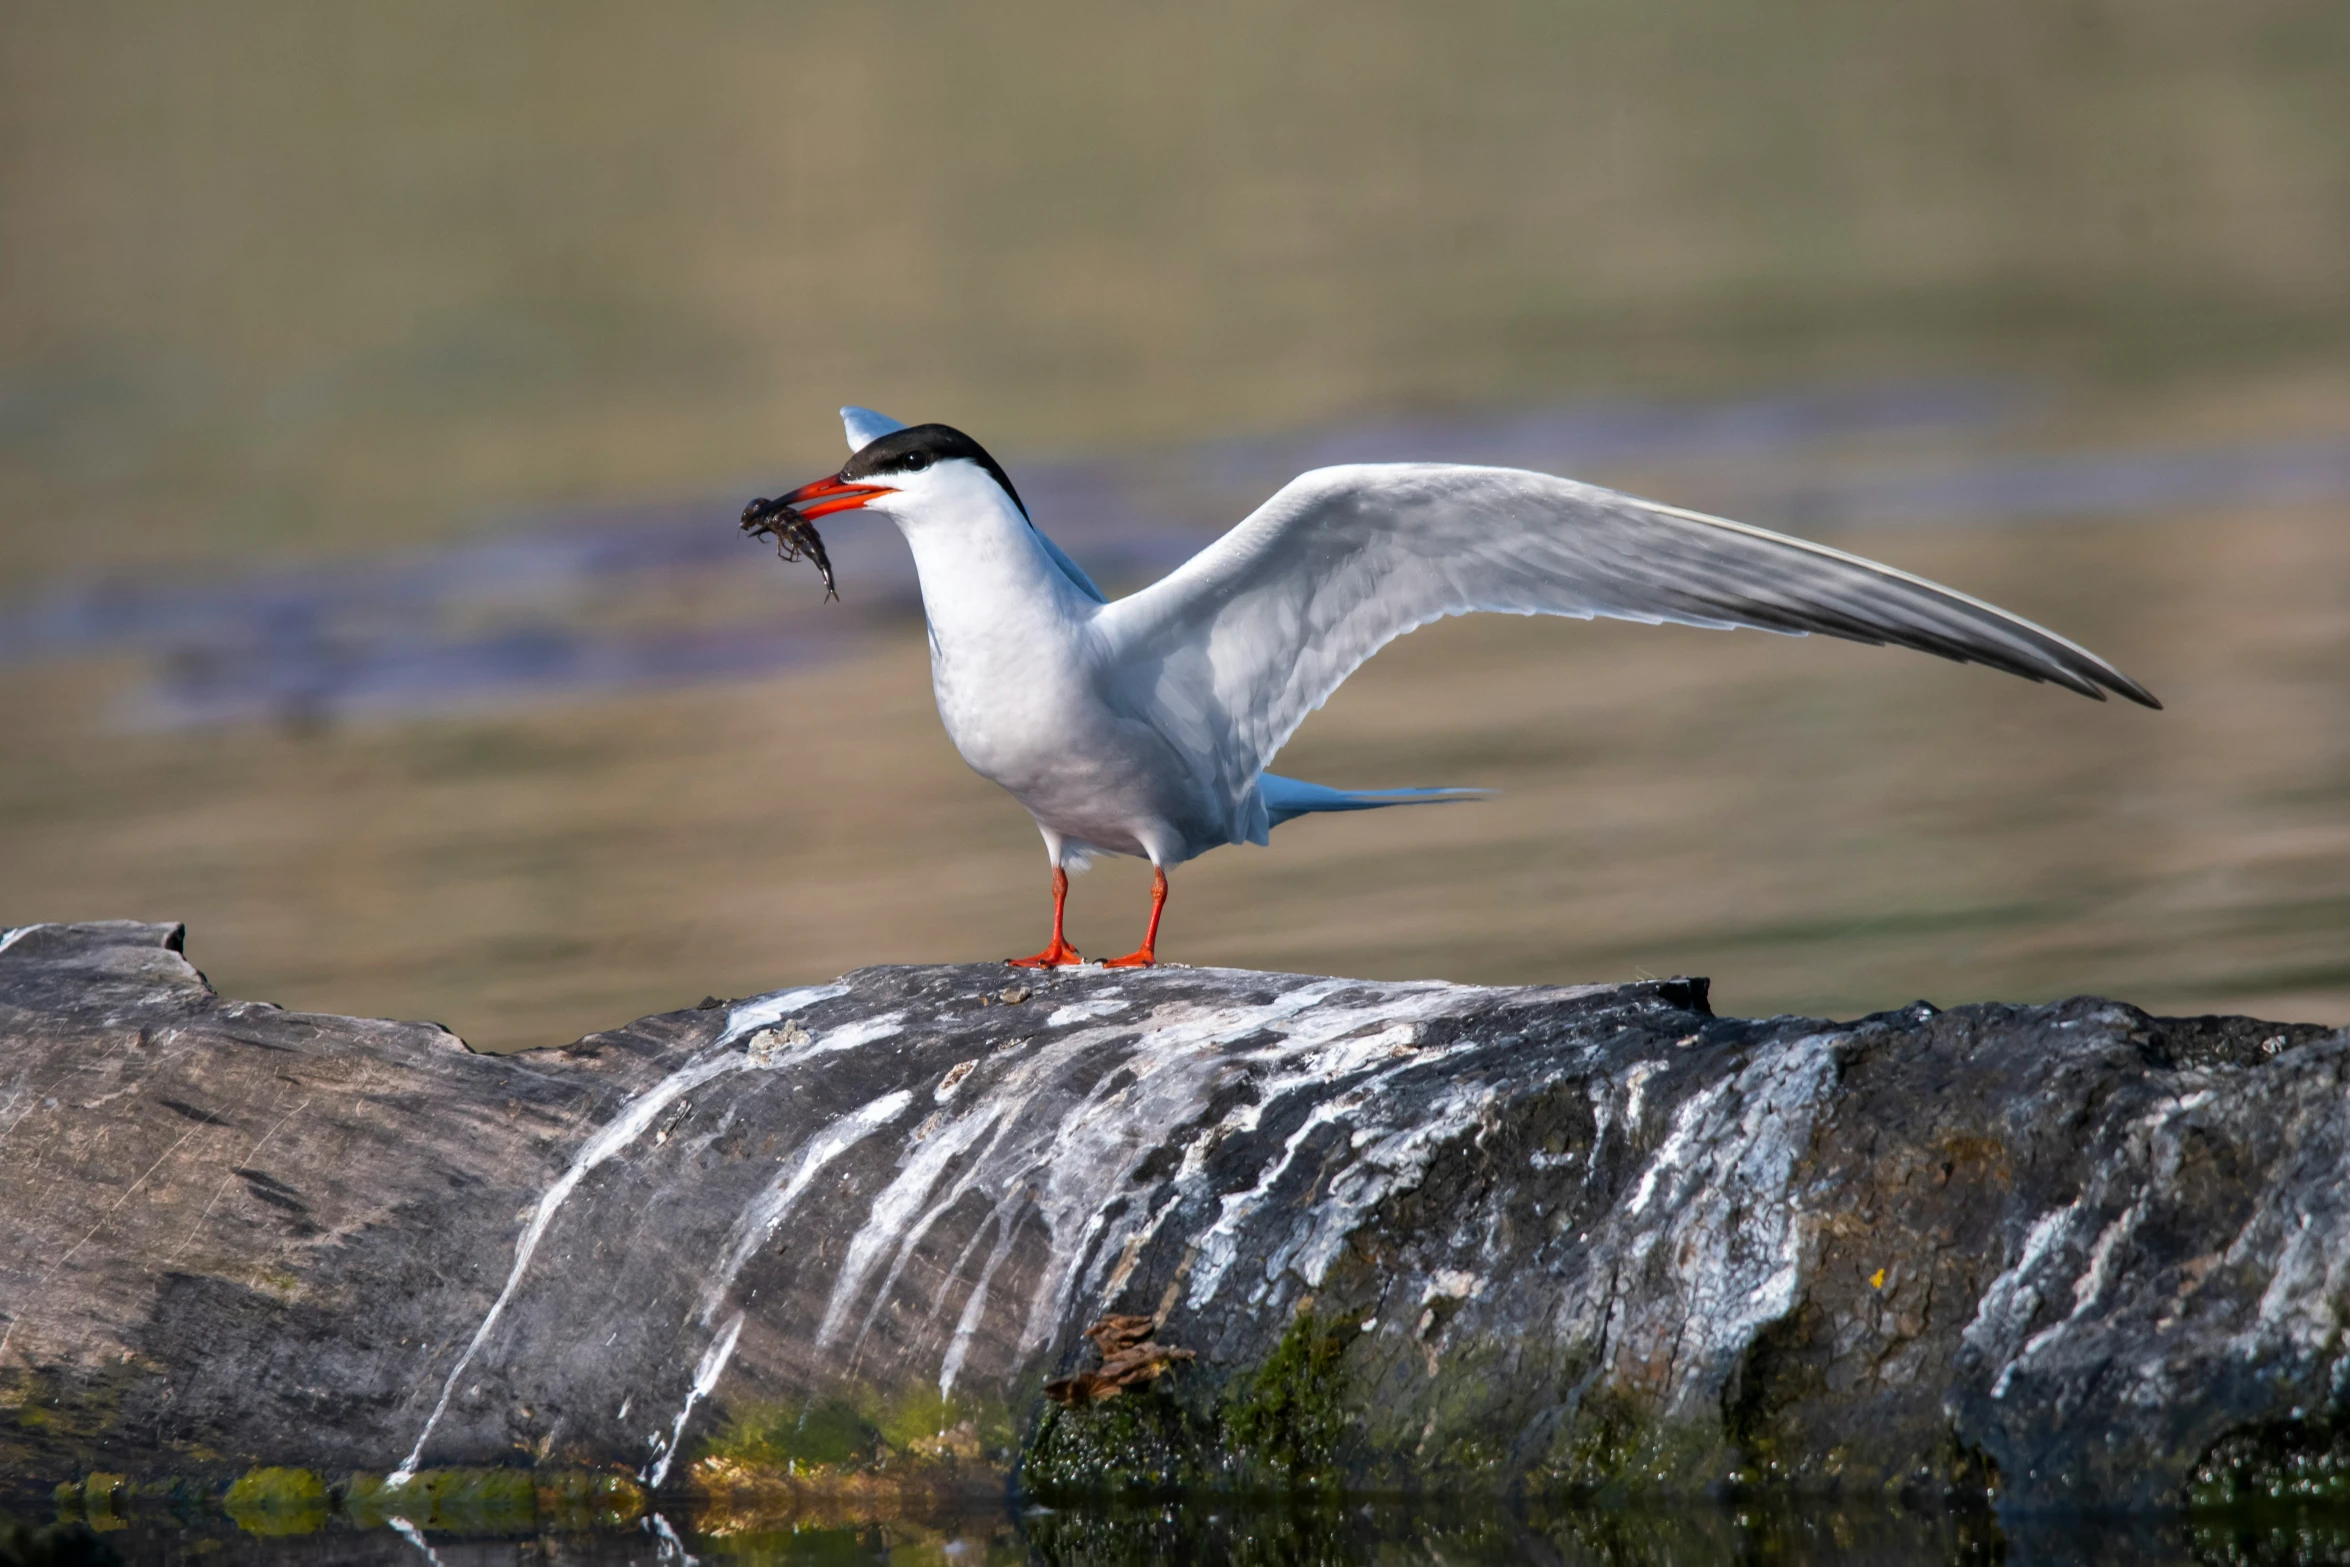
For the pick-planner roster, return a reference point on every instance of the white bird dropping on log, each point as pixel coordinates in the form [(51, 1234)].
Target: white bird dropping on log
[(1144, 727)]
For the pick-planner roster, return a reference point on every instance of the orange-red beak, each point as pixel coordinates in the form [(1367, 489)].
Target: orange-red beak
[(822, 497)]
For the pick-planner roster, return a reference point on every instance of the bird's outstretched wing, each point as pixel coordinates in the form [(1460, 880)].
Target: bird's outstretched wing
[(1235, 647)]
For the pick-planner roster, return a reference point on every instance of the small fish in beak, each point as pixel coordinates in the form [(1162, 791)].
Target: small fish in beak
[(793, 533), (790, 520)]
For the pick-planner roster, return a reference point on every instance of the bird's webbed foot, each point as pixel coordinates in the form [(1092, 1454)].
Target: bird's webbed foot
[(1059, 955)]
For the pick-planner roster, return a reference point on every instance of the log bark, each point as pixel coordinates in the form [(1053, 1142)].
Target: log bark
[(1587, 1239)]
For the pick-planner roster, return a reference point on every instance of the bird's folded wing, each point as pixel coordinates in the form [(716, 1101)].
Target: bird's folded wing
[(1234, 648)]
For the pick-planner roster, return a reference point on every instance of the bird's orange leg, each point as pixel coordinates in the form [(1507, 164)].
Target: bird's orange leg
[(1060, 954), (1150, 938)]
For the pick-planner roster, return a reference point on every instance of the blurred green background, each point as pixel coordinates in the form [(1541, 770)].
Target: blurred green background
[(301, 283)]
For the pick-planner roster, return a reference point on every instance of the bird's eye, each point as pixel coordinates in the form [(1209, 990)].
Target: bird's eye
[(915, 462)]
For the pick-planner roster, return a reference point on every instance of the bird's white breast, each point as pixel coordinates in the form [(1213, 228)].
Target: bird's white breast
[(1016, 662)]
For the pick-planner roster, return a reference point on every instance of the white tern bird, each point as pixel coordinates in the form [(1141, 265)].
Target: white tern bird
[(1143, 726)]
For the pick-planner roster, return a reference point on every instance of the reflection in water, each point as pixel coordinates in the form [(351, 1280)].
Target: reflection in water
[(1268, 1531), (1434, 1532)]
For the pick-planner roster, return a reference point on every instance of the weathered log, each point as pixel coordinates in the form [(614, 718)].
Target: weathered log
[(1416, 1235)]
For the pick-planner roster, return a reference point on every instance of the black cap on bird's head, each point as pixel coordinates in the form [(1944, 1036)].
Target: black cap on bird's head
[(919, 447), (789, 519)]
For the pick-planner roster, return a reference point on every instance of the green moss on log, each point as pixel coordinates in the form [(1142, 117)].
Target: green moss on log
[(858, 1433), (277, 1501), (2302, 1462), (1284, 1424), (1141, 1442), (574, 1499), (487, 1501), (286, 1501), (1616, 1447), (45, 1415), (823, 1433), (1283, 1427)]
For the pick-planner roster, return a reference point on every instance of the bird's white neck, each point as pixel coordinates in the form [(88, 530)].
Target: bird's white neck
[(985, 574), (1008, 630)]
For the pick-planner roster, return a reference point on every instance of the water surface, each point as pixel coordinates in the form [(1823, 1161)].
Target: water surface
[(1268, 1531)]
